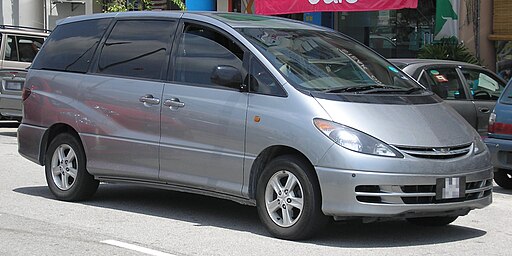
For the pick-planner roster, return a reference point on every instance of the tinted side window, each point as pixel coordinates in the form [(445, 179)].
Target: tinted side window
[(22, 48), (425, 81), (137, 48), (446, 83), (28, 47), (261, 81), (201, 49), (71, 46)]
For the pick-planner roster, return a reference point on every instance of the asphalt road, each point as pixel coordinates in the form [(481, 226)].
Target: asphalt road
[(133, 220)]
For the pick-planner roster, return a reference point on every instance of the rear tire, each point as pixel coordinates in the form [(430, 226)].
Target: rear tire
[(66, 174), (503, 178), (433, 221), (288, 199)]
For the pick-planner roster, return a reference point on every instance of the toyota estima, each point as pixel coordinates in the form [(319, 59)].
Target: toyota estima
[(298, 120)]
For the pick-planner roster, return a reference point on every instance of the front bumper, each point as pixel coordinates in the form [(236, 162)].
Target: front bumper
[(347, 193), (10, 105)]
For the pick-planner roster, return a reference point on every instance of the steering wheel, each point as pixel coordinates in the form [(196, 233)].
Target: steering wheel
[(482, 95)]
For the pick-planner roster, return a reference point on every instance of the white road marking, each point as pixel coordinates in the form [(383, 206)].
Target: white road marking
[(136, 248)]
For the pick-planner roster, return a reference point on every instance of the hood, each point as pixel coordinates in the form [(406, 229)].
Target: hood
[(412, 125)]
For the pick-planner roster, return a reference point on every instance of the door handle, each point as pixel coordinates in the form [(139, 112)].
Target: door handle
[(174, 103), (484, 110), (148, 99)]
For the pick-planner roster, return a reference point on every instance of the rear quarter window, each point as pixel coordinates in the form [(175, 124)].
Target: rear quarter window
[(137, 48), (71, 46)]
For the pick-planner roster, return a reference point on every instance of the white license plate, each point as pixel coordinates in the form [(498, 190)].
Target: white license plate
[(13, 85), (450, 188)]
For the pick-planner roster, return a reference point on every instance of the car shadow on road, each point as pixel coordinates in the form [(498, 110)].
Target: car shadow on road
[(10, 134), (498, 189), (9, 124), (207, 211)]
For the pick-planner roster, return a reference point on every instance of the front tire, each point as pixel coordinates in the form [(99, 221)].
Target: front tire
[(433, 221), (288, 199), (503, 178), (65, 170)]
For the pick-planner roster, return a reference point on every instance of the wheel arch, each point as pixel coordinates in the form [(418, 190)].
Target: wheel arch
[(268, 155), (50, 134)]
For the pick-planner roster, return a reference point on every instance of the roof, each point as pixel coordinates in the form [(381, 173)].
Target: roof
[(238, 20), (407, 62), (235, 20), (24, 30)]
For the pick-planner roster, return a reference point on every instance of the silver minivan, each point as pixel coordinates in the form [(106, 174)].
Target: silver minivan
[(298, 120)]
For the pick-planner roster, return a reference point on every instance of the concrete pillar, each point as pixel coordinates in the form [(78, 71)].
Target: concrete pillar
[(479, 44), (487, 47), (223, 5), (23, 13)]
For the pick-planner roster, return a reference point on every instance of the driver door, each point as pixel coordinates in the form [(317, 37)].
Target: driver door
[(485, 88), (203, 123), (447, 84)]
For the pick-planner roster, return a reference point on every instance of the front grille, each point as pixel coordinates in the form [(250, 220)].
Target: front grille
[(437, 152), (418, 194)]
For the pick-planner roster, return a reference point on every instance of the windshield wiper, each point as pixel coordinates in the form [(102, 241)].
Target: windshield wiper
[(355, 88), (370, 89), (392, 90)]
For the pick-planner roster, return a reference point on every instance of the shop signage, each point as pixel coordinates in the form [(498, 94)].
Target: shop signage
[(300, 6)]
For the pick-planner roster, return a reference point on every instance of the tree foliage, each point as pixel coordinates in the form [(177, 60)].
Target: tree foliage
[(180, 4), (127, 5), (448, 49)]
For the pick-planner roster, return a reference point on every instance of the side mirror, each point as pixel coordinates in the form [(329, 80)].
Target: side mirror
[(227, 76)]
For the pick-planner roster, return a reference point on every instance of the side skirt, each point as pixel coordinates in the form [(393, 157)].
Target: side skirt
[(179, 188)]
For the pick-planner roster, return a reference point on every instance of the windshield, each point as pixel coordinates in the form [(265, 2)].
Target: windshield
[(327, 62)]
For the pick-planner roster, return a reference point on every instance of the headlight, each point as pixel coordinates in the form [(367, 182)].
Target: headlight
[(479, 146), (355, 140)]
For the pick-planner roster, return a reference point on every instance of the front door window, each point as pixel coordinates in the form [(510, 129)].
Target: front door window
[(202, 49), (445, 82), (22, 48), (482, 85)]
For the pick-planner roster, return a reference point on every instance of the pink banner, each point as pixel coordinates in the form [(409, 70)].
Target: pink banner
[(298, 6)]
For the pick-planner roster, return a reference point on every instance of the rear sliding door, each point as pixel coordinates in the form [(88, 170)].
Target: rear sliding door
[(122, 101)]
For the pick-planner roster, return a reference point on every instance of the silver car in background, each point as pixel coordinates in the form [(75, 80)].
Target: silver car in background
[(18, 47), (298, 120), (470, 89)]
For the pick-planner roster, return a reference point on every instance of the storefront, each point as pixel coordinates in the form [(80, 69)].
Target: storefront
[(394, 28), (502, 36), (397, 28), (392, 33)]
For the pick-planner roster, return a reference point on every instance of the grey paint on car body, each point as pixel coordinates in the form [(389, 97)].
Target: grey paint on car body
[(475, 111), (218, 141)]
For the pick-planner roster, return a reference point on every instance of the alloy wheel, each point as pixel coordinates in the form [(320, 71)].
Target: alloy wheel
[(64, 167), (284, 198)]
